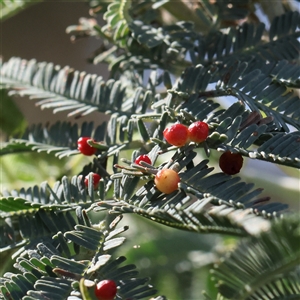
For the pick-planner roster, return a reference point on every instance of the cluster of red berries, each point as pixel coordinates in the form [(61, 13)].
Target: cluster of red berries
[(231, 163), (179, 134), (167, 180), (106, 290)]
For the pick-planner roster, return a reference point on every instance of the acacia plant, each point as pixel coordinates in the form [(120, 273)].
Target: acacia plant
[(170, 62)]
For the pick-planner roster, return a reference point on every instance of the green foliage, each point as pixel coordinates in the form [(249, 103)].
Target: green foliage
[(169, 63), (11, 119), (45, 265), (275, 252)]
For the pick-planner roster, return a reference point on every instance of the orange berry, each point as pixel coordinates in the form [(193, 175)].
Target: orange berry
[(167, 180)]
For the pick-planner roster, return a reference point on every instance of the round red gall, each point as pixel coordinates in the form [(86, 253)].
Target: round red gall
[(84, 147), (106, 290), (96, 179), (231, 163), (176, 135), (198, 132), (144, 158), (166, 181)]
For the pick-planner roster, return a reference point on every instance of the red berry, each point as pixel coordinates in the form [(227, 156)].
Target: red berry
[(96, 179), (167, 180), (84, 147), (231, 163), (198, 132), (106, 290), (144, 158), (176, 135)]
